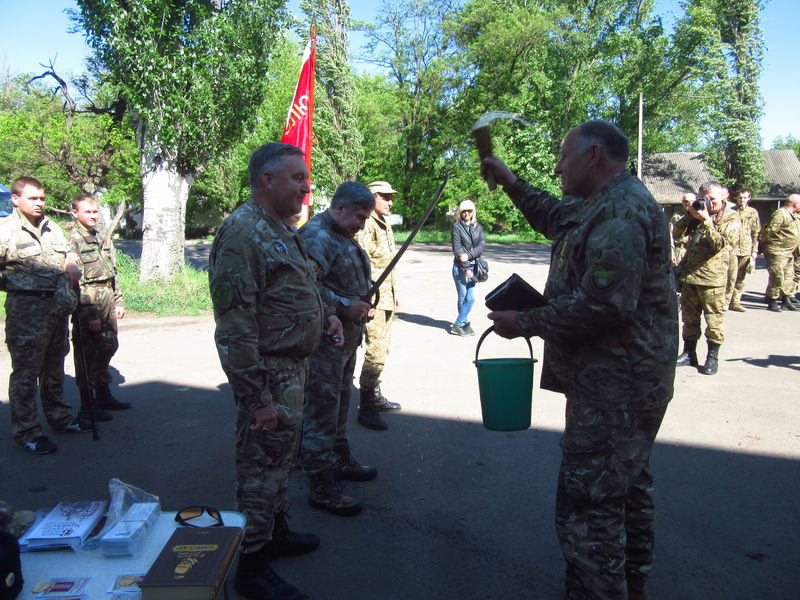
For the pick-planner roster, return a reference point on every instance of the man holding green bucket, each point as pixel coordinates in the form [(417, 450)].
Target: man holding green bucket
[(611, 336)]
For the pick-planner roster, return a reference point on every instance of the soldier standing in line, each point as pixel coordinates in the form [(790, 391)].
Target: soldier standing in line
[(100, 304), (377, 240), (610, 333), (343, 275), (779, 242), (744, 251), (37, 271), (711, 230), (269, 318)]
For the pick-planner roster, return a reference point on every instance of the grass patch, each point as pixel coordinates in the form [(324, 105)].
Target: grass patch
[(187, 294), (442, 236)]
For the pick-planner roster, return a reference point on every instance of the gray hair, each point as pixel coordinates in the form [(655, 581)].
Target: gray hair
[(707, 187), (354, 196), (269, 158), (606, 135)]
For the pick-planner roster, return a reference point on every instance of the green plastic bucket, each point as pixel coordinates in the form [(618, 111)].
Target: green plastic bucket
[(506, 388)]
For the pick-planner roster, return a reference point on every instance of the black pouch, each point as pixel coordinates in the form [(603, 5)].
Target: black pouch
[(10, 567)]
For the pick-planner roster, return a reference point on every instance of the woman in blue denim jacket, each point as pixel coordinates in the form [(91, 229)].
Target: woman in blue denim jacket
[(468, 242)]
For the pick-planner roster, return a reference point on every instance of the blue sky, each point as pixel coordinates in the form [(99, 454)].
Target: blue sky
[(36, 32)]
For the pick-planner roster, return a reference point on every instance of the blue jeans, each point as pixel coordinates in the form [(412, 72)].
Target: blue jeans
[(466, 294)]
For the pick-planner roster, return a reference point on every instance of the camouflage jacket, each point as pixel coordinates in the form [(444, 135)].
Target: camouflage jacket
[(747, 241), (97, 262), (781, 235), (265, 300), (708, 249), (341, 265), (32, 258), (610, 325), (377, 240)]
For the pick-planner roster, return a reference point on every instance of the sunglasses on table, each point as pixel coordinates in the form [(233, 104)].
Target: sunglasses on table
[(199, 516)]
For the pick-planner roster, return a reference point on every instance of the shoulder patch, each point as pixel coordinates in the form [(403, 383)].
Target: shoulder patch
[(221, 295), (604, 275)]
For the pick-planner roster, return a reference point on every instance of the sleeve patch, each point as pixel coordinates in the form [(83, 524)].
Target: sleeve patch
[(604, 275), (221, 295)]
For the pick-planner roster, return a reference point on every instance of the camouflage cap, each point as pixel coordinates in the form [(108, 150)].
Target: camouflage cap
[(381, 187)]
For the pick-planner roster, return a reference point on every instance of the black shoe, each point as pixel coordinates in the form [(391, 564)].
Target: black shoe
[(773, 305), (372, 420), (349, 469), (373, 398), (324, 493), (458, 330), (787, 304), (712, 360), (467, 328), (260, 582), (98, 413), (288, 543), (39, 445), (78, 426)]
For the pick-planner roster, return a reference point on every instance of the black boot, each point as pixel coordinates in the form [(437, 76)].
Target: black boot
[(381, 403), (349, 469), (368, 415), (689, 355), (773, 305), (89, 409), (106, 400), (712, 360), (256, 580), (787, 304), (288, 543)]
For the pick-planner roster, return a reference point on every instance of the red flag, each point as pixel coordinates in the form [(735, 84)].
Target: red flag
[(300, 120)]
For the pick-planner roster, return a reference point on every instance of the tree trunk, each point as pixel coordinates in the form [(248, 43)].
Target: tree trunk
[(163, 219)]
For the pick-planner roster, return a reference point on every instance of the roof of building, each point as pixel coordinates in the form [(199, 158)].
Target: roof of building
[(669, 175)]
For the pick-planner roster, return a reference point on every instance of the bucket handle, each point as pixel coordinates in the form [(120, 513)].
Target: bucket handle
[(490, 330)]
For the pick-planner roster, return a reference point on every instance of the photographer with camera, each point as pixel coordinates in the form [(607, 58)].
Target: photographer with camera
[(710, 228)]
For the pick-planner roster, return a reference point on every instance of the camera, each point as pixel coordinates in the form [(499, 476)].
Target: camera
[(701, 204)]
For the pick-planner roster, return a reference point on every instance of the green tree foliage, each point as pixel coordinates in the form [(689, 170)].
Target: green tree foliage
[(787, 143), (191, 73)]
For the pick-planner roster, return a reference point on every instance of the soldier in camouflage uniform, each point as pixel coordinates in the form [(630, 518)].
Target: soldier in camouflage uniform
[(712, 232), (94, 325), (269, 318), (343, 274), (744, 251), (34, 259), (610, 334), (679, 243), (779, 242), (377, 240)]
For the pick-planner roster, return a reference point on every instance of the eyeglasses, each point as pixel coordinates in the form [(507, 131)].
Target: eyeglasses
[(469, 210), (199, 516)]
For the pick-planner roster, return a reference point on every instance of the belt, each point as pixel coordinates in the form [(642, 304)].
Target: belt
[(34, 293), (106, 283)]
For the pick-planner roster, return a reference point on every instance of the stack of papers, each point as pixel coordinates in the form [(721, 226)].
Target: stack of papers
[(126, 537)]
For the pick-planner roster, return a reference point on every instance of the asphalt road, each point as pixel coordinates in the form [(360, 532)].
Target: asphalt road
[(457, 511)]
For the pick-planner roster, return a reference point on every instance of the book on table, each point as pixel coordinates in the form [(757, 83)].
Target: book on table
[(67, 525), (192, 565)]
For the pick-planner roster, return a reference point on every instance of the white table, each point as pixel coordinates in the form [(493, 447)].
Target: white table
[(40, 567)]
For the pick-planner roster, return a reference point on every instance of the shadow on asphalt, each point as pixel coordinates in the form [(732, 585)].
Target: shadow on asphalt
[(424, 320), (457, 512)]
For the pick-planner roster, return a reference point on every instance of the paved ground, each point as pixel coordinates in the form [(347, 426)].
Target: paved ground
[(459, 512)]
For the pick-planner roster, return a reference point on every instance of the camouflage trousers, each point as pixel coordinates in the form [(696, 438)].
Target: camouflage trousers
[(605, 514), (37, 340), (736, 276), (781, 275), (703, 300), (265, 458), (377, 338), (98, 346), (328, 394)]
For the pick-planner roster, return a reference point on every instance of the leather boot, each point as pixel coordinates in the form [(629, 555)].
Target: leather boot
[(349, 469), (367, 413), (689, 355), (89, 408), (381, 403), (712, 360), (106, 400), (787, 304), (285, 542), (773, 305), (256, 580), (326, 494)]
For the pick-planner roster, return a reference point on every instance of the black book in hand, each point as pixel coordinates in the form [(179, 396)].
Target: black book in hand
[(514, 294)]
